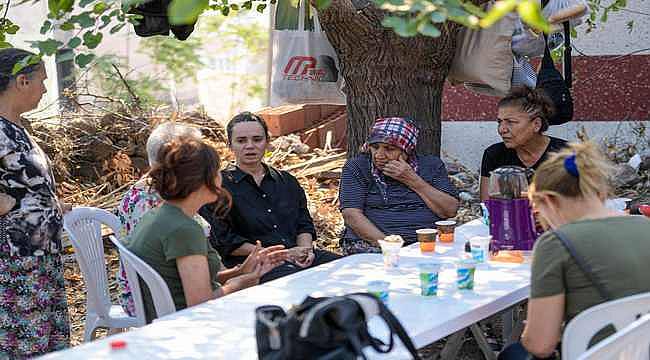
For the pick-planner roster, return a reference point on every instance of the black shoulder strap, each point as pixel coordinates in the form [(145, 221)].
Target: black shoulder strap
[(395, 325), (586, 269)]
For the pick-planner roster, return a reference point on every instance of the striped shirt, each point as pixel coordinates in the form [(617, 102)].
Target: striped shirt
[(404, 211)]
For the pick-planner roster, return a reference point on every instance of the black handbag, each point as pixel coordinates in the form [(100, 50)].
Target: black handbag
[(325, 328), (554, 85), (155, 22)]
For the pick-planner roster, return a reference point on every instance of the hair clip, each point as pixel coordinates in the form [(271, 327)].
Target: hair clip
[(570, 166)]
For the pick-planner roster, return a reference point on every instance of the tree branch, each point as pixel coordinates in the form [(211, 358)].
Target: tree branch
[(4, 16), (135, 97)]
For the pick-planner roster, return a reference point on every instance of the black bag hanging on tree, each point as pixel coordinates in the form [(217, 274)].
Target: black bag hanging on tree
[(155, 22), (332, 328), (555, 86)]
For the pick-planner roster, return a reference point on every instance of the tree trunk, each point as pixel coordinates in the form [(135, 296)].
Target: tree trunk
[(388, 75)]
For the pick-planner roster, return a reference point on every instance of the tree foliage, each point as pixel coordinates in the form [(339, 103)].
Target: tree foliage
[(88, 21)]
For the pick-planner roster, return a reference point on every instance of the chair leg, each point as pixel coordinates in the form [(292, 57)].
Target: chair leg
[(90, 329), (90, 333)]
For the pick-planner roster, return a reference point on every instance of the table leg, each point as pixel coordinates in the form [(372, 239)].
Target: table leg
[(482, 342), (452, 346), (508, 318)]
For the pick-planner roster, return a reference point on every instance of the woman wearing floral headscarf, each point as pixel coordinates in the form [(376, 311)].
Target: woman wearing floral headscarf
[(389, 189)]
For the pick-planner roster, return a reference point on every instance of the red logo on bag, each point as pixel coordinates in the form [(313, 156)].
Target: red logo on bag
[(303, 68)]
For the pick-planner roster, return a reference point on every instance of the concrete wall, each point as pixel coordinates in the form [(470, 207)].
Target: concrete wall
[(465, 141)]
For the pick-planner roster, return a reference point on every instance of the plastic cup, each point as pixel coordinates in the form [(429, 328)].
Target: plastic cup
[(390, 250), (427, 239), (480, 247), (465, 270), (379, 288), (446, 230), (429, 278)]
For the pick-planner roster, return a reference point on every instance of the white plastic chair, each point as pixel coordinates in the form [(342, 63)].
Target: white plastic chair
[(137, 269), (630, 343), (83, 224), (584, 326)]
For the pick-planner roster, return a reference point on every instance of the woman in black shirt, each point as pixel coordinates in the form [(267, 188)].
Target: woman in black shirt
[(523, 117)]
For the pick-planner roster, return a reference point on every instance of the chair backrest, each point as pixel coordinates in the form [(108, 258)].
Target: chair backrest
[(630, 343), (137, 269), (83, 225), (585, 325)]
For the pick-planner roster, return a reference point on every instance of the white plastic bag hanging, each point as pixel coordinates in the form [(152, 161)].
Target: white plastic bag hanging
[(305, 66), (525, 42), (559, 11)]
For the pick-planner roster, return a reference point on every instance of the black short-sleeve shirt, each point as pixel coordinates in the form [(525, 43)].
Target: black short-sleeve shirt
[(498, 155)]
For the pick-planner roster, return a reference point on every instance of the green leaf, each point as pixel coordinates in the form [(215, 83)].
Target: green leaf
[(47, 47), (249, 5), (84, 3), (117, 28), (12, 29), (92, 40), (428, 29), (323, 4), (225, 11), (66, 5), (182, 12), (53, 6), (531, 13), (26, 61), (234, 7), (473, 9), (66, 26), (83, 59), (470, 21), (499, 10), (74, 42), (260, 8), (100, 8), (84, 20), (438, 17), (4, 45), (393, 22), (401, 26), (47, 25)]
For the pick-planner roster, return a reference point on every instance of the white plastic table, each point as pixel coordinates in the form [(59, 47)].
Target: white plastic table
[(224, 328)]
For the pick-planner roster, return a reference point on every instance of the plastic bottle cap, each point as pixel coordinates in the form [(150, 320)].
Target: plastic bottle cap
[(118, 344)]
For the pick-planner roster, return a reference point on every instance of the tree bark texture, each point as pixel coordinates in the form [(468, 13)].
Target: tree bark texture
[(388, 75)]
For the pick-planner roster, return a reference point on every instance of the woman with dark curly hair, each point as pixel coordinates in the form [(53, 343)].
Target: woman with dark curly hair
[(33, 308), (186, 176), (523, 118)]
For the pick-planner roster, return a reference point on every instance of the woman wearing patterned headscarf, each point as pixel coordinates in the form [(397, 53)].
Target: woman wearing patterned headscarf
[(389, 189)]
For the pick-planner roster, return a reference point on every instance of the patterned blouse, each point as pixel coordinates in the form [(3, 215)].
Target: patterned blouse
[(33, 310), (33, 226), (139, 199)]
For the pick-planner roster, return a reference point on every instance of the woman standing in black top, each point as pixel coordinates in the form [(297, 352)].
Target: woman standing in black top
[(523, 117)]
